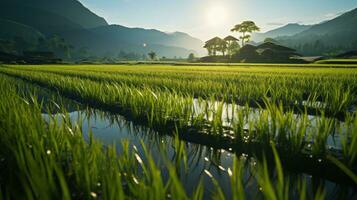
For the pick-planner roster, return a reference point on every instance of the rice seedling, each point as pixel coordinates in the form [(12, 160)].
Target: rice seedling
[(163, 108), (289, 86), (53, 159)]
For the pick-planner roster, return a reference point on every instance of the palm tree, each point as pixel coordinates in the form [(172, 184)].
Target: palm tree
[(244, 28)]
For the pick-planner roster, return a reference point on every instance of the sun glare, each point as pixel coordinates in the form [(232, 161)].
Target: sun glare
[(216, 15)]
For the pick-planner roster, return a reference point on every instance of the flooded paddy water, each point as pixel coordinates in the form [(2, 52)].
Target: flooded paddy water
[(192, 139), (202, 160)]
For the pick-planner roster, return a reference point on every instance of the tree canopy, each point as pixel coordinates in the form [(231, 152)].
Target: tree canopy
[(227, 46), (152, 55), (215, 45), (245, 28)]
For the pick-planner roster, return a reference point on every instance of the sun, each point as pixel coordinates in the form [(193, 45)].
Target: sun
[(216, 15)]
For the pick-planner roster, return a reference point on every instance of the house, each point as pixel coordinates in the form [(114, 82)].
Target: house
[(267, 52)]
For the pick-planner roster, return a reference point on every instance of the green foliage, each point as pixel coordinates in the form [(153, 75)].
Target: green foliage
[(152, 55), (244, 28), (52, 160), (233, 48), (191, 57), (215, 45)]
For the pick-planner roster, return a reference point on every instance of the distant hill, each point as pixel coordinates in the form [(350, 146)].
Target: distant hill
[(287, 30), (109, 41), (346, 22), (333, 36), (12, 29), (83, 29), (42, 20), (140, 36), (72, 10)]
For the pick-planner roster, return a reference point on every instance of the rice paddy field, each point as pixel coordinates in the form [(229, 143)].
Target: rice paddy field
[(151, 131)]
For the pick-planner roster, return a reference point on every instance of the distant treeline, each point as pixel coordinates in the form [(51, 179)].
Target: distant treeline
[(17, 49), (320, 48)]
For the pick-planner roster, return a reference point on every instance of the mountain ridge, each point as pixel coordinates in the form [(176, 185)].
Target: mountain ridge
[(72, 10), (68, 20), (334, 36), (286, 30)]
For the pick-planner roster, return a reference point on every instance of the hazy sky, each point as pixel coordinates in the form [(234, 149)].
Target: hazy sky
[(207, 18)]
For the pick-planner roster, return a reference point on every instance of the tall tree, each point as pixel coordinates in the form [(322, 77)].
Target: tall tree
[(215, 45), (191, 57), (231, 44), (222, 46), (245, 28), (152, 55), (209, 46), (233, 48)]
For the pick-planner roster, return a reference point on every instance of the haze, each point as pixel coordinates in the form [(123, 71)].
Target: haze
[(207, 18)]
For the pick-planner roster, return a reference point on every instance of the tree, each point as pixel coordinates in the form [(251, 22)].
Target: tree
[(270, 40), (222, 46), (209, 45), (59, 46), (191, 57), (232, 44), (215, 45), (152, 55), (233, 48), (245, 28)]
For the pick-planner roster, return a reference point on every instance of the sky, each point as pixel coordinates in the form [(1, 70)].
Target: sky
[(205, 19)]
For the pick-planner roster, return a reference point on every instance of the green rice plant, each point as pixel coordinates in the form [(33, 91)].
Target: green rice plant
[(239, 84), (162, 108), (180, 153), (339, 99), (236, 174), (238, 124), (279, 190), (345, 169), (319, 135), (282, 127), (218, 193), (50, 159), (217, 115), (349, 141)]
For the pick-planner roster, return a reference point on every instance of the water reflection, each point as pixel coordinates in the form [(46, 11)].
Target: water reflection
[(229, 114), (198, 159), (194, 163)]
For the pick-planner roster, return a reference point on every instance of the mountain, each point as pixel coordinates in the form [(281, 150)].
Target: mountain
[(12, 29), (72, 10), (287, 30), (109, 41), (42, 20), (83, 29), (344, 23), (139, 36), (333, 36)]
